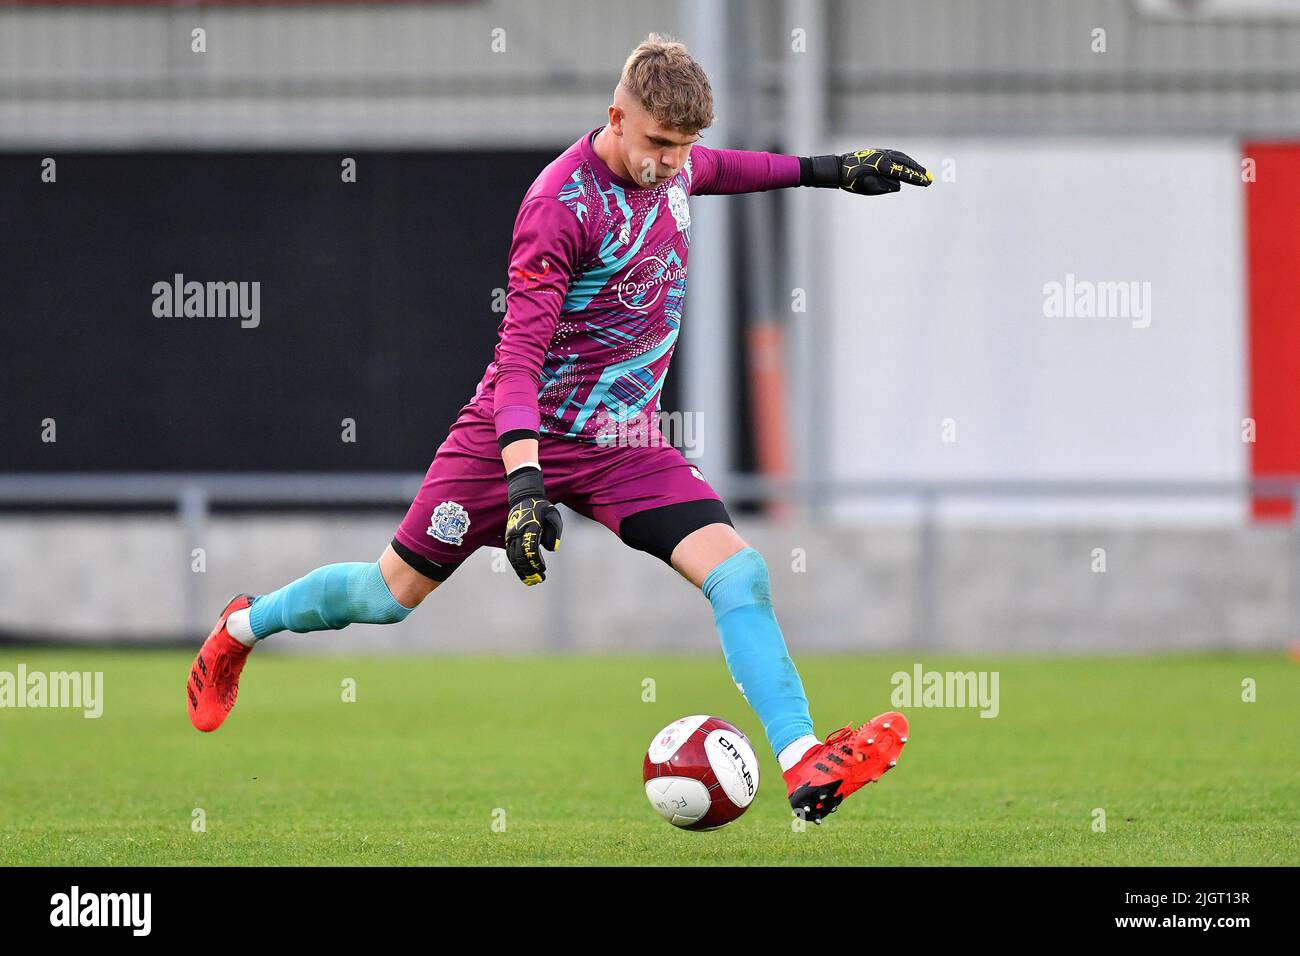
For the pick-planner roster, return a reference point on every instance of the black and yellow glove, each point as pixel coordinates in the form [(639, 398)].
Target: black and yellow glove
[(867, 172), (533, 523)]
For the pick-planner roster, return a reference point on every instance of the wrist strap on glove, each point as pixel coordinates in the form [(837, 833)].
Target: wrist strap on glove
[(525, 482), (820, 171)]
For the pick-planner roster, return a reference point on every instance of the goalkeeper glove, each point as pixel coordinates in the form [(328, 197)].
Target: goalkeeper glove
[(533, 523), (867, 172)]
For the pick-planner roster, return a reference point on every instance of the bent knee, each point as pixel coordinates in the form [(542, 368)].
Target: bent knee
[(741, 579), (407, 586)]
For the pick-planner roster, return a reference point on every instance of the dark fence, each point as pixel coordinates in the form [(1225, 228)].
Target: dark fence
[(374, 303)]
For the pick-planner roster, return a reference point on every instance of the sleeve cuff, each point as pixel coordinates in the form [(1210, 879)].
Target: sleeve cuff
[(515, 434), (805, 170)]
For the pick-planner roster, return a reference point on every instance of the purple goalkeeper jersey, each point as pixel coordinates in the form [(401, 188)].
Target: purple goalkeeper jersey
[(597, 279)]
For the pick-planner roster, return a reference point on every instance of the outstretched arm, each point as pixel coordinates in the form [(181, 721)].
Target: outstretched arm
[(867, 172), (730, 171)]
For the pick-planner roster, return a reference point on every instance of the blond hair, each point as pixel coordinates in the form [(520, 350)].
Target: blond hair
[(662, 75)]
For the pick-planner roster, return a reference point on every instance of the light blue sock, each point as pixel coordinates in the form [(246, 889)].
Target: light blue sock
[(327, 599), (741, 595)]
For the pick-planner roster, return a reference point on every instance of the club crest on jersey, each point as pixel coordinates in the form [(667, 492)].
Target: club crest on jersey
[(624, 235), (679, 207), (449, 523)]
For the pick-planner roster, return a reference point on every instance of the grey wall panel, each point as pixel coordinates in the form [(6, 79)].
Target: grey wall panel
[(844, 590), (426, 74)]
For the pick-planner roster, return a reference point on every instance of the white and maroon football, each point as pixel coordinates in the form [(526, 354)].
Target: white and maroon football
[(700, 773)]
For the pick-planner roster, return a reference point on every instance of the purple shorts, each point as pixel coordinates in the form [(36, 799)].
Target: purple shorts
[(462, 503)]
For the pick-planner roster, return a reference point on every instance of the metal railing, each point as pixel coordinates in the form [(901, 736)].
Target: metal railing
[(193, 496)]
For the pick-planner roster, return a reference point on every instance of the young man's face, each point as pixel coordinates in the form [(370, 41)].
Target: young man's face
[(650, 152)]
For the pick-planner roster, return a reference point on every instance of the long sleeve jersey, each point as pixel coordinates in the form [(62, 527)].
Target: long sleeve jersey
[(596, 283)]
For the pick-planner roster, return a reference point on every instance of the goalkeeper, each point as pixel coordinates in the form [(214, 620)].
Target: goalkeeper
[(597, 277)]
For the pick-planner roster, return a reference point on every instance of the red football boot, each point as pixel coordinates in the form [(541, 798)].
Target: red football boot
[(848, 760), (214, 676)]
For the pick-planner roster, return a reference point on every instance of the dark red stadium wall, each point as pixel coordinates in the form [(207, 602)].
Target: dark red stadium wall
[(1273, 308)]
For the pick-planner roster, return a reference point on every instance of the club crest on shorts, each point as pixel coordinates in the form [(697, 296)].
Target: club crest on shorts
[(448, 523), (679, 207)]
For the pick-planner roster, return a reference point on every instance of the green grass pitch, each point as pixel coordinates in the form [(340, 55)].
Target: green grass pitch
[(434, 750)]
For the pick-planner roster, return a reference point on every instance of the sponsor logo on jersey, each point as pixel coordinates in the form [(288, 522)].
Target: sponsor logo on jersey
[(531, 279), (645, 283)]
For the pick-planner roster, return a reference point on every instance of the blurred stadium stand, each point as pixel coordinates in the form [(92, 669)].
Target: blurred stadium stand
[(421, 74), (1055, 158)]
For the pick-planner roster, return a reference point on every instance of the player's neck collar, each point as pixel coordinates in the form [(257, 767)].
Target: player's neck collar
[(589, 153)]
